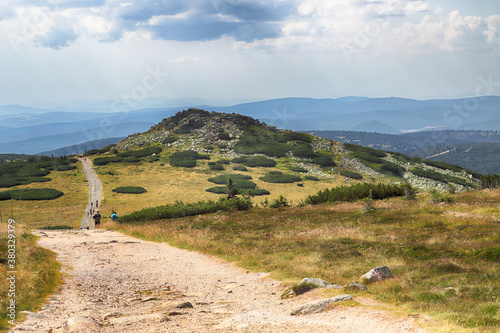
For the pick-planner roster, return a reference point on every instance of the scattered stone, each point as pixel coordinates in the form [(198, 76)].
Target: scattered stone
[(130, 300), (113, 241), (319, 283), (33, 315), (319, 306), (174, 313), (82, 324), (111, 314), (184, 305), (127, 320), (357, 286), (377, 274), (148, 299)]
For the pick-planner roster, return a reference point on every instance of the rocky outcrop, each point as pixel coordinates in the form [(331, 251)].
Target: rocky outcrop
[(82, 325), (377, 274)]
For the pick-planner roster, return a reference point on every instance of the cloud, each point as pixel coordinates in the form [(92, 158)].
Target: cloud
[(57, 37)]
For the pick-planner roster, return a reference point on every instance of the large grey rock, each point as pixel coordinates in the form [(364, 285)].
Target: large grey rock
[(82, 325), (319, 306), (356, 285), (319, 283), (377, 274)]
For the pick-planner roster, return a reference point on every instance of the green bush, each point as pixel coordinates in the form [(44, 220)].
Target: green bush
[(217, 167), (256, 192), (31, 194), (180, 209), (186, 158), (357, 192), (279, 177), (351, 174), (439, 177), (223, 179), (294, 168), (324, 161), (297, 136), (98, 151), (304, 151), (255, 161), (169, 139), (281, 202), (224, 161), (130, 190), (313, 178), (141, 152), (367, 150), (239, 168), (224, 136), (131, 159), (106, 160), (274, 149)]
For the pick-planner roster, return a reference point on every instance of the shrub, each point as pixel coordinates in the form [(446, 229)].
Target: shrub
[(357, 192), (180, 209), (224, 136), (439, 177), (281, 202), (297, 169), (324, 161), (217, 167), (297, 136), (130, 190), (313, 178), (367, 150), (31, 194), (350, 174), (107, 160), (131, 159), (274, 149), (279, 177), (169, 139), (239, 168), (141, 152), (223, 179), (255, 161), (256, 192), (224, 161), (303, 150), (186, 158)]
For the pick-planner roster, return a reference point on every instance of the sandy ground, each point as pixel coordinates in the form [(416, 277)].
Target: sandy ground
[(128, 285)]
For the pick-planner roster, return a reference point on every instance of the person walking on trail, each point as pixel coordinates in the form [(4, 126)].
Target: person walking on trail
[(97, 218), (96, 203), (91, 204), (114, 217)]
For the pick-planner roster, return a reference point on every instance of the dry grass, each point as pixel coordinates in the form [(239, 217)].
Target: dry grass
[(427, 248), (65, 210)]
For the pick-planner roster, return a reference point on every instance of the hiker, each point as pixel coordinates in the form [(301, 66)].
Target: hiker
[(96, 203), (91, 204), (114, 217), (97, 218)]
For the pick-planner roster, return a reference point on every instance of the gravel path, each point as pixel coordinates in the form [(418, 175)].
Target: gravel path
[(95, 187), (129, 285), (117, 283)]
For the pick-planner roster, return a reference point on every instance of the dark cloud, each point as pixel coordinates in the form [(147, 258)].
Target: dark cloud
[(140, 11)]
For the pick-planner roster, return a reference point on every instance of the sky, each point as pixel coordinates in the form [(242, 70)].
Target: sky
[(231, 51)]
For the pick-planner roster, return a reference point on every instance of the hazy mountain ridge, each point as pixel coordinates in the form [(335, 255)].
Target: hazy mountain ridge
[(390, 115)]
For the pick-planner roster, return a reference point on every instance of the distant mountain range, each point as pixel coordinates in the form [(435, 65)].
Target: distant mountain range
[(31, 130)]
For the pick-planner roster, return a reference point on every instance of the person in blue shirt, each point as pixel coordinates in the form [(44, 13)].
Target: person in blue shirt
[(114, 217)]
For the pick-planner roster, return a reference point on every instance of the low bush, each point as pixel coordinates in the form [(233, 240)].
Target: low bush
[(186, 158), (98, 151), (239, 168), (357, 192), (350, 174), (297, 136), (281, 202), (274, 149), (31, 194), (131, 159), (255, 161), (367, 150), (141, 152), (169, 139), (435, 197), (106, 160), (294, 168), (216, 167), (223, 179), (324, 161), (130, 189), (303, 150), (180, 209), (224, 161), (313, 178), (224, 136), (279, 177), (439, 177)]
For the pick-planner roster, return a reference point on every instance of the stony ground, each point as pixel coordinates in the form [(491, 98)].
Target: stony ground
[(116, 283)]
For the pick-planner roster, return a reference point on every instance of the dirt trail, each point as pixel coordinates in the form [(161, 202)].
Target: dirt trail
[(128, 285), (95, 187)]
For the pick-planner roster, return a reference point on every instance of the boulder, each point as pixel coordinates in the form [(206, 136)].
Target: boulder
[(319, 306), (356, 285), (82, 325), (318, 283), (377, 274)]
